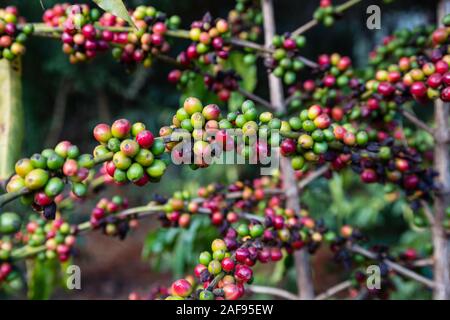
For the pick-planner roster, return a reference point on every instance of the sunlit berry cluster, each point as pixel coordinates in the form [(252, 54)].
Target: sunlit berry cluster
[(57, 237), (44, 175), (106, 216), (285, 62), (135, 152), (139, 46), (246, 19), (12, 36), (208, 41), (81, 40), (326, 13)]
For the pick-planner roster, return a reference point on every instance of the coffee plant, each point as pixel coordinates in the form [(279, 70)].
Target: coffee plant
[(335, 117)]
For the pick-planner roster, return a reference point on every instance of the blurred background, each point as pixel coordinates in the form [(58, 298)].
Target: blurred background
[(64, 102)]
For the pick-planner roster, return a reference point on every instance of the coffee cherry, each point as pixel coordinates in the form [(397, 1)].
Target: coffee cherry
[(192, 105), (214, 267), (243, 273), (369, 176), (36, 179), (145, 139), (54, 187), (120, 128), (227, 264), (181, 288), (129, 148), (156, 169), (10, 222), (135, 172), (218, 244), (288, 147), (206, 295), (205, 258), (121, 161)]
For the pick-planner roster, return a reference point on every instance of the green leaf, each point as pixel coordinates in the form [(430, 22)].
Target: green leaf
[(235, 102), (42, 278), (117, 8), (247, 72), (196, 88), (11, 119)]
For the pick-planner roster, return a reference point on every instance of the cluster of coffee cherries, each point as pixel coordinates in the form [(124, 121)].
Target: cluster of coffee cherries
[(12, 36), (105, 216), (45, 174), (245, 20), (402, 43), (223, 271), (57, 236), (424, 79), (200, 121), (135, 152), (421, 72), (330, 87), (81, 40), (208, 41), (284, 62), (326, 13), (359, 282), (139, 46), (223, 83)]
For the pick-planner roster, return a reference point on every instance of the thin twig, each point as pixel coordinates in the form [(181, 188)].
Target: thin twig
[(312, 176), (276, 292), (423, 263), (427, 211), (312, 23), (419, 123), (256, 98), (309, 25), (251, 45), (334, 290), (394, 266)]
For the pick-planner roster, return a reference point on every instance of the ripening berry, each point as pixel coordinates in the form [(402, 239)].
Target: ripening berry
[(222, 26), (418, 89), (369, 176), (145, 139), (135, 172), (16, 183), (121, 128), (54, 187), (42, 199), (121, 161), (70, 168), (211, 112), (36, 179), (288, 147), (218, 244), (102, 133), (346, 231), (23, 167), (243, 273), (214, 267), (349, 138), (129, 147), (156, 169), (231, 291), (181, 288), (227, 264), (10, 223), (192, 105)]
